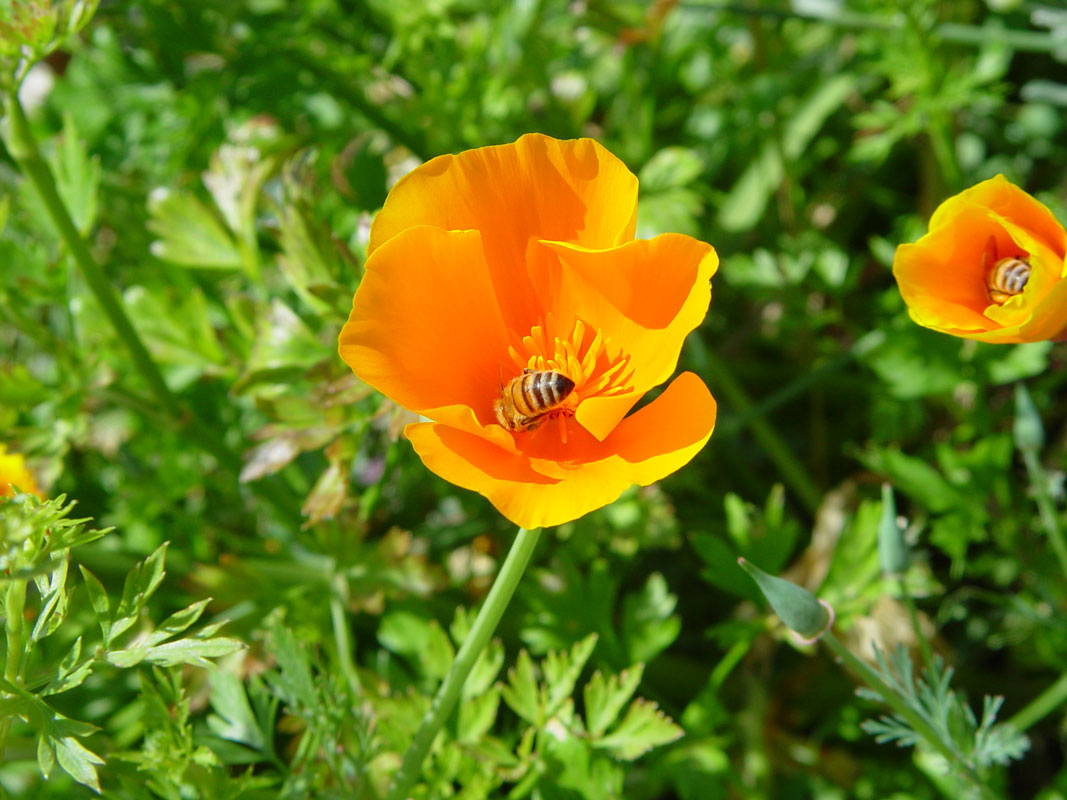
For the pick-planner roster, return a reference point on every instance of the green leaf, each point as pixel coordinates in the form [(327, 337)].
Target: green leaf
[(70, 673), (421, 640), (98, 600), (178, 622), (293, 677), (284, 348), (176, 326), (647, 625), (1020, 361), (477, 713), (77, 176), (46, 755), (189, 234), (670, 168), (77, 761), (562, 669), (485, 670), (643, 728), (914, 477), (233, 720), (605, 697), (746, 201), (521, 691), (55, 601), (141, 582), (173, 654)]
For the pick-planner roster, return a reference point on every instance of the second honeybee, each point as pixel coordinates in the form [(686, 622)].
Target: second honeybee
[(1008, 278)]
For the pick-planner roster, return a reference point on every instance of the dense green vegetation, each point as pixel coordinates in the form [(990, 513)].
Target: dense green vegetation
[(282, 585)]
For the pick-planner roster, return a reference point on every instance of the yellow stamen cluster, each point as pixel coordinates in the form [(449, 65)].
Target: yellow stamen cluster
[(591, 364)]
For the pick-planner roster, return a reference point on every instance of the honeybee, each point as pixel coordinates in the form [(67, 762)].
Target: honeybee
[(1008, 276), (526, 399)]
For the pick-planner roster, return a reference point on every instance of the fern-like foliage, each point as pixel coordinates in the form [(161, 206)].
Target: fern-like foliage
[(976, 744)]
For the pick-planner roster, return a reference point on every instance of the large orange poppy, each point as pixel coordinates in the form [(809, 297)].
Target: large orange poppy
[(13, 472), (522, 257), (947, 277)]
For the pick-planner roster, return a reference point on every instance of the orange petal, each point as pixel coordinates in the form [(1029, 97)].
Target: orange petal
[(1004, 198), (425, 327), (1047, 321), (657, 440), (942, 277), (647, 296), (515, 194)]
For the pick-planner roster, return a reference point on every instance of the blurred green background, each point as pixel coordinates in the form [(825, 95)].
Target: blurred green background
[(224, 160)]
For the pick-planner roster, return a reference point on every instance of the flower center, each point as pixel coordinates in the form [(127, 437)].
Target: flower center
[(590, 360), (1006, 274)]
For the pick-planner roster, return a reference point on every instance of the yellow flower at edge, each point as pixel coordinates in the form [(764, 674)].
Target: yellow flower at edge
[(13, 472), (521, 257), (990, 238)]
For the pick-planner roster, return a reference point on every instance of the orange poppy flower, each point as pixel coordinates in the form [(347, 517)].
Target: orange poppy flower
[(522, 257), (991, 267), (13, 472)]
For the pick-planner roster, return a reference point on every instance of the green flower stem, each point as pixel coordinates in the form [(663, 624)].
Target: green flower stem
[(913, 613), (1045, 507), (23, 148), (1041, 706), (792, 471), (906, 712), (338, 599), (14, 606), (480, 633), (866, 344)]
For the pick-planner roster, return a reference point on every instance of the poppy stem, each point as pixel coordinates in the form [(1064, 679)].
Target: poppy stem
[(22, 146), (792, 471), (1041, 488), (480, 633), (1041, 706)]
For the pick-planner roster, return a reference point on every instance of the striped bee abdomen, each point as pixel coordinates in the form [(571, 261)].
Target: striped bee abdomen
[(526, 398), (1008, 278)]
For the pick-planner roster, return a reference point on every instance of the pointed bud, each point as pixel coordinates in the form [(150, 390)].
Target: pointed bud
[(892, 549), (1028, 431), (798, 608)]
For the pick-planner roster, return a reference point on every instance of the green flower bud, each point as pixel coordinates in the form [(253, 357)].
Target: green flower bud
[(892, 549), (798, 608)]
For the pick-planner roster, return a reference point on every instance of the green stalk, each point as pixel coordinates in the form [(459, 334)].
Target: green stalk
[(14, 607), (1045, 507), (338, 598), (23, 148), (448, 694), (792, 471), (1041, 706), (907, 713), (913, 613)]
